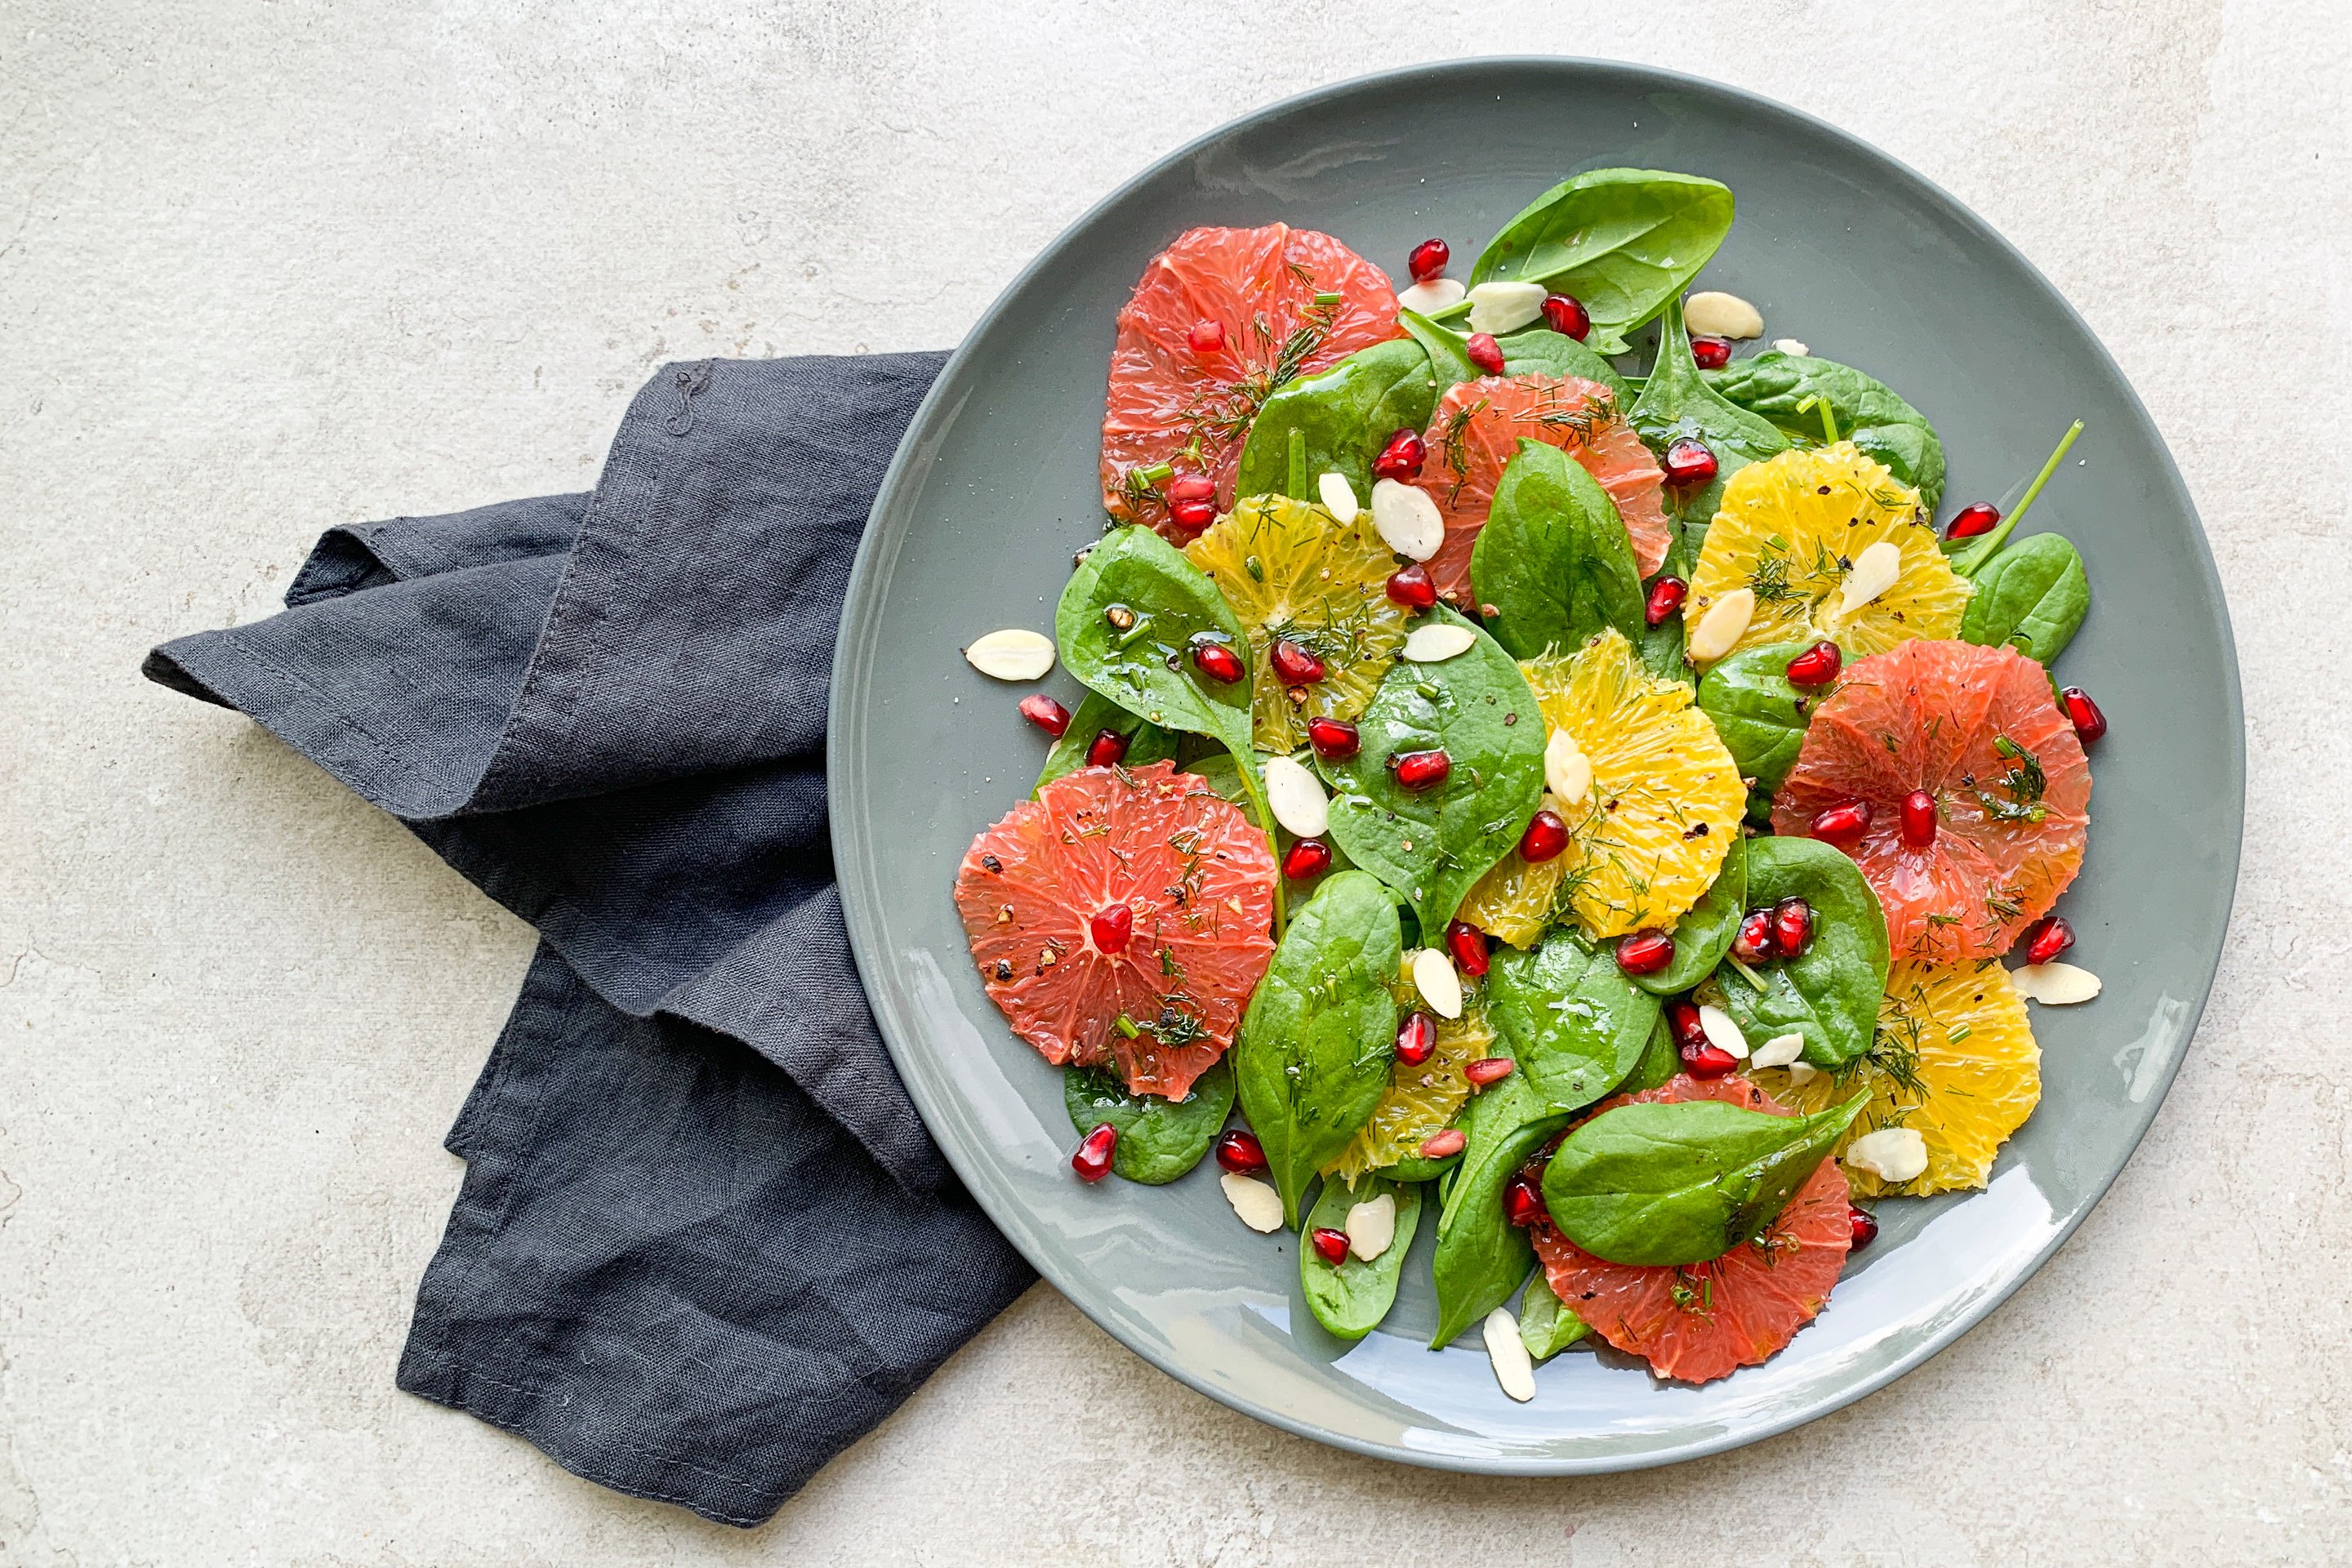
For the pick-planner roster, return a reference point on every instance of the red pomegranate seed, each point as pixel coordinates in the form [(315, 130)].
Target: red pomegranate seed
[(1484, 353), (1817, 666), (1918, 819), (1091, 1159), (1107, 750), (1468, 945), (1239, 1150), (1545, 837), (2084, 714), (1753, 944), (1192, 487), (1645, 952), (1046, 713), (1665, 598), (1971, 520), (1708, 1061), (1414, 588), (1792, 927), (1420, 770), (1192, 516), (1416, 1038), (1865, 1227), (1333, 740), (1206, 337), (1401, 458), (1295, 665), (1443, 1145), (1428, 259), (1217, 661), (2048, 936), (1488, 1069), (1711, 353), (1683, 1020), (1111, 928), (1523, 1202), (1690, 463), (1330, 1245), (1566, 314), (1842, 824), (1307, 858)]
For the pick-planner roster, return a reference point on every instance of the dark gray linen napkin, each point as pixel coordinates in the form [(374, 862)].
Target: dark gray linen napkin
[(703, 1242)]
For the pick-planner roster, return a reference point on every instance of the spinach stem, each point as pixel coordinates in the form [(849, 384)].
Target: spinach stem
[(1829, 420), (1971, 561), (1299, 483)]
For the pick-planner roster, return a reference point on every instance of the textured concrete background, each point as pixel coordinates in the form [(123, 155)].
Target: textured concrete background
[(265, 268)]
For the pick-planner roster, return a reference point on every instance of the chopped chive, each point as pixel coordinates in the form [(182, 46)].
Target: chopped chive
[(1126, 1026)]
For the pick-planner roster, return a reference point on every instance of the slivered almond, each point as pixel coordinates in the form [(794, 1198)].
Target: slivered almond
[(1724, 623), (1437, 642), (1338, 495), (1513, 1368), (1503, 306), (1568, 772), (1296, 797), (2055, 984), (1719, 315), (1257, 1203), (1407, 521), (1890, 1153), (1371, 1225), (1433, 296), (1434, 977), (1014, 654), (1876, 570), (1723, 1033), (1779, 1051)]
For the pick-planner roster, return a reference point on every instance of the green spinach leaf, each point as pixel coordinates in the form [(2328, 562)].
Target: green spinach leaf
[(1554, 559), (1623, 241), (1760, 716), (1414, 1168), (1677, 404), (1661, 1060), (2031, 595), (1134, 577), (1704, 933), (1547, 1327), (1344, 415), (1448, 352), (1652, 1184), (1573, 1021), (1828, 992), (1540, 351), (1320, 1032), (1868, 413), (1147, 741), (1481, 1256), (1350, 1298), (1159, 1139)]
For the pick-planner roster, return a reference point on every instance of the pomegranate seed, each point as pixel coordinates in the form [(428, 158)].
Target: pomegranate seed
[(1645, 952), (1469, 947), (1711, 353), (1443, 1145), (1865, 1227), (1420, 770), (1206, 337), (1523, 1202), (1971, 520), (1295, 665), (1239, 1150), (1545, 837), (1416, 1038), (1566, 314), (1842, 824), (2084, 714), (1488, 1069), (1401, 458), (1753, 944), (1111, 926), (1792, 927), (1414, 588), (1192, 487), (2048, 936), (1428, 259), (1046, 713), (1107, 750), (1307, 858), (1817, 666), (1333, 740), (1918, 819), (1192, 516), (1330, 1245), (1688, 463), (1484, 353), (1708, 1061), (1682, 1018), (1091, 1158), (1217, 661), (1665, 598)]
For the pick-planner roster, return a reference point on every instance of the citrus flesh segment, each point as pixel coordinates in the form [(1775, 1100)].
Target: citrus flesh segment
[(1975, 728), (1955, 1061), (1791, 526), (1650, 834), (1476, 432), (1198, 882), (1290, 570), (1247, 297), (1420, 1100), (1699, 1322)]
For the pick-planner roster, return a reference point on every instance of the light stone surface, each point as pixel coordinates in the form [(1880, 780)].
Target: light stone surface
[(265, 268)]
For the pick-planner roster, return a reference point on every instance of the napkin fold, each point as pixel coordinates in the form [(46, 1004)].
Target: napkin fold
[(704, 1242)]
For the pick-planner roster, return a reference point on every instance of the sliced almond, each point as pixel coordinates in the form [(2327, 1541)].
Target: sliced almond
[(1434, 977), (1720, 315), (2058, 984), (1504, 306), (1792, 348), (1433, 296), (1296, 797), (1779, 1051), (1890, 1153), (1802, 1074), (1338, 495), (1568, 772), (1513, 1368), (1407, 521), (1724, 623), (1723, 1033), (1876, 570), (1437, 642), (1015, 653), (1372, 1227), (1257, 1203)]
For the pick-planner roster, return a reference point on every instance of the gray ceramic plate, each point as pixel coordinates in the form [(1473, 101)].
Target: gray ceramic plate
[(1842, 247)]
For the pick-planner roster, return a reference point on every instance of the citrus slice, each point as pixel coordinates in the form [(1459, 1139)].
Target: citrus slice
[(1158, 992), (1954, 1060), (1699, 1322), (1650, 834), (1420, 1100), (1292, 571), (1476, 432), (1793, 526), (1219, 321), (1976, 728)]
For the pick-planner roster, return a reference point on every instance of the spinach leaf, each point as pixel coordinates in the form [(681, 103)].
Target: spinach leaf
[(1316, 1044), (1704, 933), (1623, 241), (1661, 1060), (1350, 1298), (1868, 412), (1433, 845), (1554, 559), (1545, 1327), (1345, 416), (1144, 665), (1414, 1168), (1448, 354), (1658, 1184), (1676, 404), (1760, 716), (2032, 596), (1828, 992), (1159, 1139), (1147, 741), (1540, 351), (1481, 1256), (1573, 1021)]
